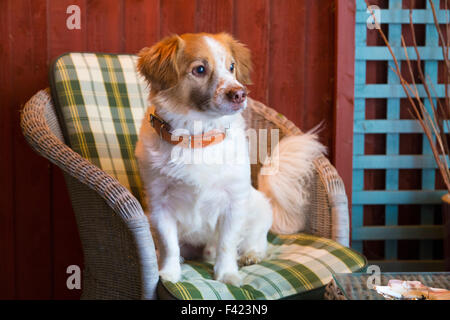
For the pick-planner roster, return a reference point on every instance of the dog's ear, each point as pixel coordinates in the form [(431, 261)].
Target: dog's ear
[(158, 64), (242, 56)]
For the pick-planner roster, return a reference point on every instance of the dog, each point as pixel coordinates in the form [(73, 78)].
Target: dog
[(197, 95), (200, 79)]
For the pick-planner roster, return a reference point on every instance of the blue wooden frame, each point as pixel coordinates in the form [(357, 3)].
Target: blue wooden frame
[(392, 126)]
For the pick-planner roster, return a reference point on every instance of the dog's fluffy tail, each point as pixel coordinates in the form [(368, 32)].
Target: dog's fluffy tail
[(287, 187)]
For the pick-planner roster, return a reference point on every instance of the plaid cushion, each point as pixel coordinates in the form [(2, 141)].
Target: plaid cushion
[(295, 264), (101, 100)]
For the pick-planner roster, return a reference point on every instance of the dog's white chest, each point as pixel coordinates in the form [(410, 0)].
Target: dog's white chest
[(230, 158), (208, 183), (194, 186)]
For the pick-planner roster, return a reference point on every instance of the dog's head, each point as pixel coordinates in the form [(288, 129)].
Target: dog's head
[(204, 72)]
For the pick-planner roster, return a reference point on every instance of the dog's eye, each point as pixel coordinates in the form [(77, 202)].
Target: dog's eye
[(232, 67), (199, 71)]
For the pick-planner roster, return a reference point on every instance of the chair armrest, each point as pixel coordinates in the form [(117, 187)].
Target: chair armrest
[(122, 203), (335, 189)]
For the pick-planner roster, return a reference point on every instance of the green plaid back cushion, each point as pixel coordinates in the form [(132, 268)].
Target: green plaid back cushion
[(101, 100), (295, 264)]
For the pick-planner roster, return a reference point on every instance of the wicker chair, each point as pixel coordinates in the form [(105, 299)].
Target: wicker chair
[(119, 253)]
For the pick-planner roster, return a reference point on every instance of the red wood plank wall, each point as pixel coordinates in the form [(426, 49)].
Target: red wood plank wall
[(293, 45)]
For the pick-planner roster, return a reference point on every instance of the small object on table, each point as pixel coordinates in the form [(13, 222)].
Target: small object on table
[(411, 290), (360, 286)]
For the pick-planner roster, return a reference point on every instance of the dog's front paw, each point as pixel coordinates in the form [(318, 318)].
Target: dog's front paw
[(232, 278), (170, 273), (251, 257)]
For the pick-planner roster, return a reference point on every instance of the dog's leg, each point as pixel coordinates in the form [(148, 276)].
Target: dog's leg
[(209, 251), (226, 268), (170, 268), (259, 219), (253, 248)]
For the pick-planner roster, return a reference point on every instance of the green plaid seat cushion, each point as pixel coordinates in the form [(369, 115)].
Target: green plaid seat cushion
[(295, 264), (101, 100)]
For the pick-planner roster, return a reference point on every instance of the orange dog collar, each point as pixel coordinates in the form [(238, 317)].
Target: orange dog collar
[(203, 140)]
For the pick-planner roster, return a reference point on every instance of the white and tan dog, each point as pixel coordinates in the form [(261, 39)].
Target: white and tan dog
[(197, 92), (199, 79)]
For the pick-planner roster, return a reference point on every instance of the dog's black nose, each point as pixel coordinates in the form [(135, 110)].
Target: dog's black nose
[(237, 95)]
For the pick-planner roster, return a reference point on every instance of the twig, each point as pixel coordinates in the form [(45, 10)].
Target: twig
[(430, 120)]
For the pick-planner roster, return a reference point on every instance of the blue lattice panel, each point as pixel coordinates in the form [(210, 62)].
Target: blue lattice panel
[(392, 127)]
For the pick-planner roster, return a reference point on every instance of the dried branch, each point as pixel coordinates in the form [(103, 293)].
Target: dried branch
[(441, 36), (433, 120), (425, 83)]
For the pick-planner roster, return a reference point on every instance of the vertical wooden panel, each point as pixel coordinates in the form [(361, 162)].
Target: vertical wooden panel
[(344, 92), (214, 16), (105, 29), (177, 16), (141, 22), (319, 69), (446, 223), (357, 217), (392, 139), (301, 63), (252, 27), (66, 243), (32, 173), (60, 38), (287, 58), (7, 266), (428, 176)]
